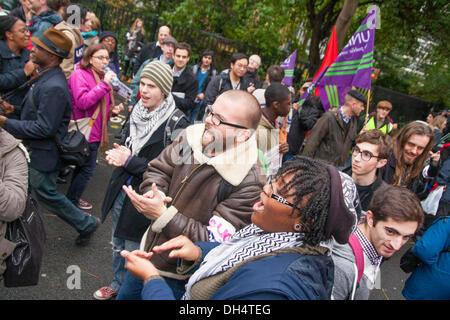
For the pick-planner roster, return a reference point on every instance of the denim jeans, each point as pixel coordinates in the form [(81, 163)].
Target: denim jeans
[(132, 287), (118, 260), (82, 175), (44, 186), (193, 113)]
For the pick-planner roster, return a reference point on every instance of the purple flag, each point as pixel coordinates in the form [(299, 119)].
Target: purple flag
[(352, 67), (288, 65)]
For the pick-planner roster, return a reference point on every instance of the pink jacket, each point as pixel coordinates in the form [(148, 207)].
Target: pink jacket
[(86, 95)]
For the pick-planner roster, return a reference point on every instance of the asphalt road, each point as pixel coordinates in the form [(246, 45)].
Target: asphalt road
[(69, 272)]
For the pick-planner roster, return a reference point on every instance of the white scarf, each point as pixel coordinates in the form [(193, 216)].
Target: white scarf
[(248, 242), (144, 123)]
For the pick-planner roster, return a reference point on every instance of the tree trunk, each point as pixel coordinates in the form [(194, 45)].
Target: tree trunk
[(344, 20)]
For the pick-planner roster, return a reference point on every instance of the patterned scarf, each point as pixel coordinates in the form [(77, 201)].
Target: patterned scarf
[(143, 123), (248, 242)]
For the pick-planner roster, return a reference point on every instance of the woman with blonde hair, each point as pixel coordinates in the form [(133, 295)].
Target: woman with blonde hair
[(135, 42)]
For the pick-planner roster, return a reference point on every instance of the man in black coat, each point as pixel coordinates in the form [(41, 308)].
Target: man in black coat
[(232, 79), (185, 84), (152, 50), (45, 114), (143, 140)]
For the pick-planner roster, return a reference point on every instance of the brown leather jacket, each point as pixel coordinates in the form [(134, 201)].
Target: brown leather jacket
[(192, 180), (328, 140)]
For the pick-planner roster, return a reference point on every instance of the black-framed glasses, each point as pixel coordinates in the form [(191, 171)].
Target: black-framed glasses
[(280, 199), (217, 121), (365, 155)]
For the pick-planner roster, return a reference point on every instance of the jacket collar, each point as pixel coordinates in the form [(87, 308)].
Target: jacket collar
[(234, 164)]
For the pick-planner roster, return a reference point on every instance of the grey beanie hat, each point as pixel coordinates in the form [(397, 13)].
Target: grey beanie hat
[(161, 74)]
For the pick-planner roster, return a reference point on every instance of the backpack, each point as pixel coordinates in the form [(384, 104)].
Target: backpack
[(176, 116)]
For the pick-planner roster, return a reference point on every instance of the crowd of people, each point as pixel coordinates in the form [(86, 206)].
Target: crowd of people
[(225, 186)]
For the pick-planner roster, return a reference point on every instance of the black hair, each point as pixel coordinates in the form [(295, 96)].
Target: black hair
[(310, 180), (275, 73), (276, 92), (238, 56), (6, 24), (208, 52)]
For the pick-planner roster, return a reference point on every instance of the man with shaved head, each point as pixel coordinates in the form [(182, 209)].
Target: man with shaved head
[(203, 185)]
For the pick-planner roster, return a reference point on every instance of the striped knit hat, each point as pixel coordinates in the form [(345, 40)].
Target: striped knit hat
[(161, 74)]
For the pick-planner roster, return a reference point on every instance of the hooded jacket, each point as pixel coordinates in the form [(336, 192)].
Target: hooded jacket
[(192, 180), (13, 189), (74, 34)]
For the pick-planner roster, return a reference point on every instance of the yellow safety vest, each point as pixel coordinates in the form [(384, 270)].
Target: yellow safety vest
[(386, 128)]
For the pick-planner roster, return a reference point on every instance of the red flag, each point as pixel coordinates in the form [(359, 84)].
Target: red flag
[(330, 55)]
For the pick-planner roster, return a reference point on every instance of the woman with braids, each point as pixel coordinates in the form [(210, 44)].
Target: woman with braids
[(283, 254)]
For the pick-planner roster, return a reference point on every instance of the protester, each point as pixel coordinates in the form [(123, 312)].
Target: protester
[(152, 50), (185, 84), (43, 18), (251, 76), (135, 42), (380, 119), (278, 104), (438, 125), (412, 147), (370, 153), (394, 215), (212, 176), (231, 79), (109, 39), (334, 133), (144, 139), (45, 114), (275, 74), (272, 258), (204, 71), (13, 189), (303, 120), (92, 96), (74, 34), (91, 34), (168, 48), (430, 280), (16, 67)]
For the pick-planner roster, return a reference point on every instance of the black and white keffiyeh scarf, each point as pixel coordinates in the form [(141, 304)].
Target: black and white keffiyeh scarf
[(248, 242), (143, 123)]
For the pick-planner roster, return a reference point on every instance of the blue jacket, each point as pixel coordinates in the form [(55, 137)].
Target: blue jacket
[(40, 124), (287, 276), (46, 20), (431, 279), (12, 75)]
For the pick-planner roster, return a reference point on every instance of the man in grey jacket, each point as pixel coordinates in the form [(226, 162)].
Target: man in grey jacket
[(393, 217)]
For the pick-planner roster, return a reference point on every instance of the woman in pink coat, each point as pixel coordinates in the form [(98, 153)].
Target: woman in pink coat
[(92, 96)]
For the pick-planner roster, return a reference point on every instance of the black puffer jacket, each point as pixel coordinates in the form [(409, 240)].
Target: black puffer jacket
[(302, 122)]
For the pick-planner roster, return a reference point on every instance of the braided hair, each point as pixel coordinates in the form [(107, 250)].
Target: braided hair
[(310, 182)]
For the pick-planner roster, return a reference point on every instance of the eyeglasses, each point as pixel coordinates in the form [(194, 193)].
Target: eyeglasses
[(241, 66), (279, 198), (217, 121), (101, 58), (112, 41), (365, 155)]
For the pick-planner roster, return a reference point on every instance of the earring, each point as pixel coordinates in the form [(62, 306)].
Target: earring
[(297, 227)]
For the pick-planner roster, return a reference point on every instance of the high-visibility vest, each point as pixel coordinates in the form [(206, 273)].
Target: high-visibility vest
[(386, 128)]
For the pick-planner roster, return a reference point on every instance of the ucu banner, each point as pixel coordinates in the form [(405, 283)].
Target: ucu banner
[(219, 229)]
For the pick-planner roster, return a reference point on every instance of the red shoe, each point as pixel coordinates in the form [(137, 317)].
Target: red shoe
[(84, 205), (105, 293)]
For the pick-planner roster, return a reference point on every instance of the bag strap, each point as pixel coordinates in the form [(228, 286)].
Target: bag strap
[(354, 243), (171, 124)]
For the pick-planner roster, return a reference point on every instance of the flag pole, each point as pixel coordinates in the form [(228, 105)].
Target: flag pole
[(367, 108)]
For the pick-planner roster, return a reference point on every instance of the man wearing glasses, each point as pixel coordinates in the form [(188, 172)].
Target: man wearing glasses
[(231, 79), (370, 153), (203, 185)]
